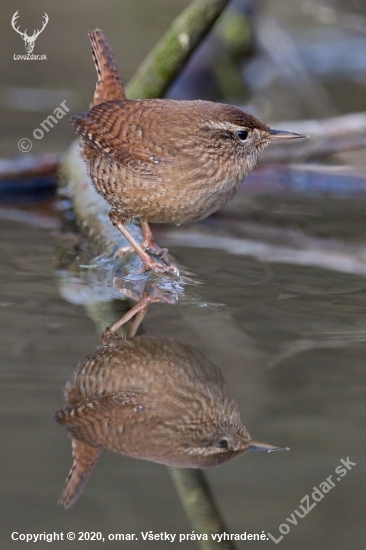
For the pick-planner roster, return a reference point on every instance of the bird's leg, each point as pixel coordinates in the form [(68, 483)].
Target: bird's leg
[(149, 242), (139, 310), (137, 321), (148, 262)]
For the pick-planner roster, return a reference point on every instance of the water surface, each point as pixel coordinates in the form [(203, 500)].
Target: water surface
[(290, 341)]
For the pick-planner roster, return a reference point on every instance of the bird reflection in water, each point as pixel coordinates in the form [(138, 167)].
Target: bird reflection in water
[(149, 398)]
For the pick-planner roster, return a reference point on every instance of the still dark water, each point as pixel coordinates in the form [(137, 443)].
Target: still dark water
[(290, 341)]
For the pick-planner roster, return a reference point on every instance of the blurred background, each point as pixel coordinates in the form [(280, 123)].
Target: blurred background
[(286, 259), (283, 60)]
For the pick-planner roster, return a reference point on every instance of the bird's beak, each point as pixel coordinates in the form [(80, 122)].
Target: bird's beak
[(258, 446), (284, 134)]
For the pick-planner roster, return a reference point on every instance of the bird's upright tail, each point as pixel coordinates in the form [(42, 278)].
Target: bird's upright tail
[(109, 86)]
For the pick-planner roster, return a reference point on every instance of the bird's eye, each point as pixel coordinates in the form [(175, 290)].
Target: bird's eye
[(222, 444), (242, 135)]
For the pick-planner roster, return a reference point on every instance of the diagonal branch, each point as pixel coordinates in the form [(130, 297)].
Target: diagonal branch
[(171, 53)]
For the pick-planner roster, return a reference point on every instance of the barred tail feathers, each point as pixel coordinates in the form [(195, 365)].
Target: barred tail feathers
[(109, 86)]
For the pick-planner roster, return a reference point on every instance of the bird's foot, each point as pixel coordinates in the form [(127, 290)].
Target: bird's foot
[(160, 253), (162, 266), (150, 245), (159, 267), (154, 248)]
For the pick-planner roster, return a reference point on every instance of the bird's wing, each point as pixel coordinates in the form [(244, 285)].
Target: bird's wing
[(92, 420), (110, 128)]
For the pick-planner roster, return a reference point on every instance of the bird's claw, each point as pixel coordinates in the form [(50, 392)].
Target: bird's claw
[(159, 267)]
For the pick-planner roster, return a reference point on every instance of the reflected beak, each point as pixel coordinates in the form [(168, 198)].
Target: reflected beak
[(284, 134), (258, 446)]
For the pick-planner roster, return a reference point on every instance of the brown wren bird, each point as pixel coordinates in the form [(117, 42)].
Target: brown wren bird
[(162, 160), (154, 399)]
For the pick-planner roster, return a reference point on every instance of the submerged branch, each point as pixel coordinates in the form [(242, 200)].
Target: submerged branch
[(200, 507)]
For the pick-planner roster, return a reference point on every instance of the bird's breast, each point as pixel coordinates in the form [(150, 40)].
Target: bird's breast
[(181, 191)]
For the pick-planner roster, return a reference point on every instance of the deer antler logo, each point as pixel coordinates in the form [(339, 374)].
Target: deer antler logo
[(29, 40)]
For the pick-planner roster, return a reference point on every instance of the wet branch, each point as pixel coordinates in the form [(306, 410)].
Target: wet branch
[(27, 166)]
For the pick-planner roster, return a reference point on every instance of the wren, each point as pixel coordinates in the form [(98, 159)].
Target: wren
[(154, 399), (163, 160)]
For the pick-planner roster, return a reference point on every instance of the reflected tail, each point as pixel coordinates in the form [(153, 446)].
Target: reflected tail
[(84, 459)]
